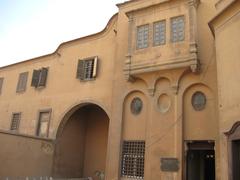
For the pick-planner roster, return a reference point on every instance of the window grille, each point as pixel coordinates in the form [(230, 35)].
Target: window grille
[(15, 121), (177, 29), (133, 159), (142, 36), (22, 82), (159, 33)]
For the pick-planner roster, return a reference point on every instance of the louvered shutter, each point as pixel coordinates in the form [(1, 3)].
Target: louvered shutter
[(80, 70), (1, 84), (22, 82), (35, 78), (43, 77)]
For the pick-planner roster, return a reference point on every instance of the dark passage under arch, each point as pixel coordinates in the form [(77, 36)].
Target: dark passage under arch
[(81, 145)]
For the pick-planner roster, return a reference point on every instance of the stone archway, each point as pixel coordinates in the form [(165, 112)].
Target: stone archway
[(81, 143)]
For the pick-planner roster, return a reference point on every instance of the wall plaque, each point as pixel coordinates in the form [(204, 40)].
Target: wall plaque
[(169, 164)]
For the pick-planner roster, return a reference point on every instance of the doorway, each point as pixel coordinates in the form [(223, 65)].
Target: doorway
[(236, 159), (200, 161)]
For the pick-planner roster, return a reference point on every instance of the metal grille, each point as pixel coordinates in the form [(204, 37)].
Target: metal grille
[(15, 121), (159, 33), (133, 159), (88, 68), (142, 36), (177, 29)]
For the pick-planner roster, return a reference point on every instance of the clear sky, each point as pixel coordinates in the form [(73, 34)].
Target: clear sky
[(31, 28)]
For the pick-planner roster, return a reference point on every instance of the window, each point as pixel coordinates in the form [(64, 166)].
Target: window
[(142, 36), (39, 77), (133, 159), (159, 33), (177, 29), (1, 84), (43, 123), (15, 121), (22, 82), (87, 68)]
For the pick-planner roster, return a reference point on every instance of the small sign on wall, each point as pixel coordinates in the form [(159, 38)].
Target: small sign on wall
[(169, 164)]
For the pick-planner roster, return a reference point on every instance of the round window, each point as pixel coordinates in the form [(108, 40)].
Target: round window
[(136, 106), (199, 101)]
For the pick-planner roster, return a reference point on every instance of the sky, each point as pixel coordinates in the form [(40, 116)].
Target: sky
[(32, 28)]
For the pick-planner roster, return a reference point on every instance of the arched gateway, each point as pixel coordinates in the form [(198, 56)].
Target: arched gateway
[(81, 143)]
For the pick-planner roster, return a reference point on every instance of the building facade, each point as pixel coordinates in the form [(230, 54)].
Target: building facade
[(152, 96)]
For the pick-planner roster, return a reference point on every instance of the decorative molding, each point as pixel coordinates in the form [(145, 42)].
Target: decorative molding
[(233, 129), (151, 91)]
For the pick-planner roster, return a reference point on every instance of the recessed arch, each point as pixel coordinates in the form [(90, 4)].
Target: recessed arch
[(81, 142)]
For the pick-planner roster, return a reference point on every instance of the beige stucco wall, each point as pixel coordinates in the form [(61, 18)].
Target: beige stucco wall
[(25, 156), (159, 86), (226, 28)]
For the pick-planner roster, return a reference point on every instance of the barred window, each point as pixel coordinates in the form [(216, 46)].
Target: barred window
[(177, 29), (15, 121), (142, 36), (133, 159), (159, 33)]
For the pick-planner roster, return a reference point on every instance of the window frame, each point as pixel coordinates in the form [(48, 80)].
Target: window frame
[(21, 80), (184, 29), (18, 121), (137, 36), (49, 110), (1, 84), (41, 83), (82, 76), (165, 33)]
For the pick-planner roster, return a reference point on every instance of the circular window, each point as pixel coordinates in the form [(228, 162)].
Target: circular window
[(136, 106), (199, 101), (164, 103)]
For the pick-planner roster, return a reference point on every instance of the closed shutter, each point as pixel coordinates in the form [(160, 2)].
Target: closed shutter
[(35, 78), (22, 82), (43, 77), (80, 70), (1, 84)]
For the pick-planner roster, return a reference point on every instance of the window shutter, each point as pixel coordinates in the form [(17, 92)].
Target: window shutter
[(94, 74), (35, 78), (80, 70), (43, 77), (1, 84), (22, 82)]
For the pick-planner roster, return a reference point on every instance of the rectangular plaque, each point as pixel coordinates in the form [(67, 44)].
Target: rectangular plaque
[(169, 164)]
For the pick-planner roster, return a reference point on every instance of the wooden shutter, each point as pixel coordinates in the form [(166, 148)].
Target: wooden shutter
[(81, 70), (35, 78), (43, 125), (43, 77), (1, 84), (22, 82), (94, 74)]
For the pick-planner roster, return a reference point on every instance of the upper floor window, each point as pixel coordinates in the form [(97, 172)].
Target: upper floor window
[(16, 117), (1, 84), (133, 159), (142, 36), (159, 33), (39, 77), (87, 68), (43, 123), (177, 29), (22, 82)]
